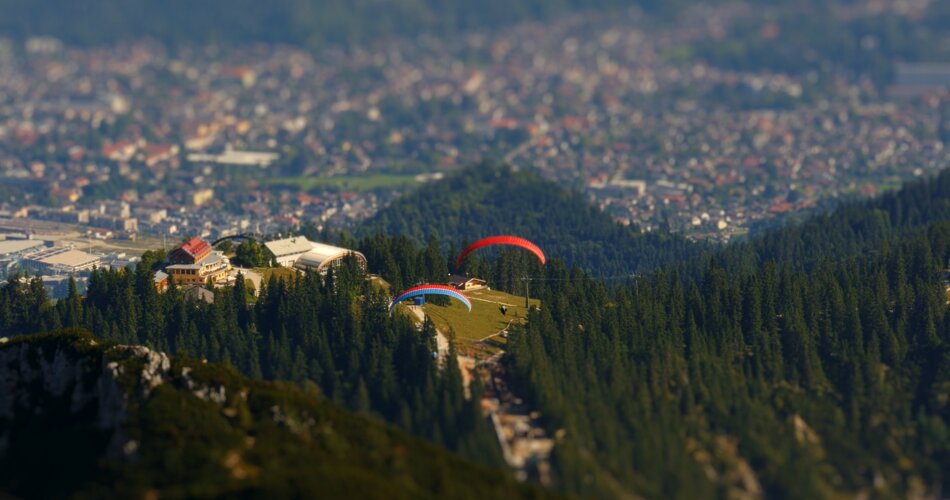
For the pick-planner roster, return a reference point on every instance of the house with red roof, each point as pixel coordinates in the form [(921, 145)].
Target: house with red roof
[(157, 153), (192, 251), (195, 263), (120, 151)]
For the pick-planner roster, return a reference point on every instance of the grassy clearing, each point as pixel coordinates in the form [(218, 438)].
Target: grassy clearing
[(347, 182), (380, 283), (282, 273), (478, 329)]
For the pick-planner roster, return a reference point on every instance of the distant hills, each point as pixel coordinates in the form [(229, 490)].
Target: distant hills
[(83, 419), (310, 23), (812, 35), (488, 199), (491, 199)]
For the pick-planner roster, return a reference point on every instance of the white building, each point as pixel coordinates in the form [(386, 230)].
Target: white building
[(63, 259), (231, 157), (10, 249), (322, 257), (288, 250), (306, 255)]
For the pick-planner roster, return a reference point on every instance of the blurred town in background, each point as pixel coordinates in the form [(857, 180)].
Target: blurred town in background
[(108, 150)]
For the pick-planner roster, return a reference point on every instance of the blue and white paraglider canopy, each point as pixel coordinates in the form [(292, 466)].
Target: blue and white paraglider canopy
[(417, 291)]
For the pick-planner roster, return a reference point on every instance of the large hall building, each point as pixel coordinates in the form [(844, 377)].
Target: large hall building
[(300, 253)]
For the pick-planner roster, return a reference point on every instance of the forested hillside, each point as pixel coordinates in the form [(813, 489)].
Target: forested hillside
[(853, 229), (494, 200), (777, 381), (485, 200), (809, 362), (85, 419), (334, 335), (812, 362)]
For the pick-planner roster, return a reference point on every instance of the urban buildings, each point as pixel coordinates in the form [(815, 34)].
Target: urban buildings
[(62, 260)]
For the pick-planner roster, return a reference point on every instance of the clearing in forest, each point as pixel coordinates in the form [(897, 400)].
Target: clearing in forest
[(480, 329)]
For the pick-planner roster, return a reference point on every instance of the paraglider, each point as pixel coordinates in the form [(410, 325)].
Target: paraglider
[(501, 240), (431, 290)]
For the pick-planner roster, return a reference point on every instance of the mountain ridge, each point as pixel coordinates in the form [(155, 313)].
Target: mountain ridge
[(488, 199)]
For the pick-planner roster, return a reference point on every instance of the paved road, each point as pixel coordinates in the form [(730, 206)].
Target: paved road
[(521, 148)]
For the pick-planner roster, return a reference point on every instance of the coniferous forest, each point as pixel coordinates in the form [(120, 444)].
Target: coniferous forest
[(820, 383), (333, 335), (807, 363), (492, 199), (815, 355), (188, 429)]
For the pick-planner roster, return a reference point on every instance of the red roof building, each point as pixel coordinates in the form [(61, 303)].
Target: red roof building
[(191, 252), (119, 151)]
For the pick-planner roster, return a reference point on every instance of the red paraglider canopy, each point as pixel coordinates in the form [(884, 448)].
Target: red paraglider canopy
[(501, 240)]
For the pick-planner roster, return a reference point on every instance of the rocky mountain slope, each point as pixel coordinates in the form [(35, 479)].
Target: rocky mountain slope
[(81, 419)]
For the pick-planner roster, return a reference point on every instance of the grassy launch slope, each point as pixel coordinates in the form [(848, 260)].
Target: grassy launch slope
[(481, 328)]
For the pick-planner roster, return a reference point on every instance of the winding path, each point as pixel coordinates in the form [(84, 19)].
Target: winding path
[(442, 343), (523, 441)]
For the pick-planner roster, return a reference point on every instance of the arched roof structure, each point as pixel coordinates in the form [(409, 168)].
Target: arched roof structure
[(322, 256)]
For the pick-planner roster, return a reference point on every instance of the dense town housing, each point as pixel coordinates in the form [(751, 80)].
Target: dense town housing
[(266, 137)]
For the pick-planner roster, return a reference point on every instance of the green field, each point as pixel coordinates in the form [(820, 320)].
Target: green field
[(381, 283), (485, 320), (347, 182), (282, 273)]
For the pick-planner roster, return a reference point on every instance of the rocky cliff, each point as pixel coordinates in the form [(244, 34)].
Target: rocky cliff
[(80, 419), (49, 374)]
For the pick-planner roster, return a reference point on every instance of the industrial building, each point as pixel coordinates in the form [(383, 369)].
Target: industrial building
[(62, 259), (11, 249), (242, 158)]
